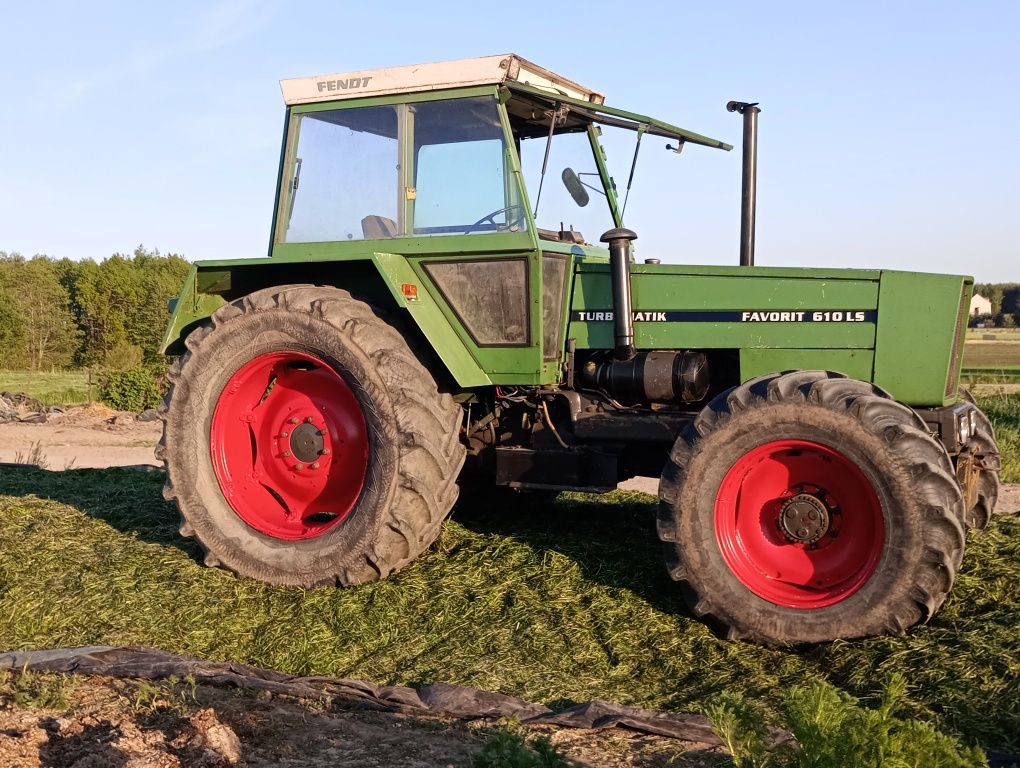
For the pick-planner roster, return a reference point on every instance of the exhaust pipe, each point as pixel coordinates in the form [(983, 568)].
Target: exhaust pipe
[(619, 273), (749, 180)]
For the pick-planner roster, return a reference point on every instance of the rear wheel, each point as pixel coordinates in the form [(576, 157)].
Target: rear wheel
[(805, 507), (305, 443)]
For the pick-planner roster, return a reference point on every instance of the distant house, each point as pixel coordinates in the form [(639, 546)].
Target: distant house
[(979, 305)]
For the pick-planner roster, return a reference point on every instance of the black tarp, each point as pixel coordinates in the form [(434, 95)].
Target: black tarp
[(436, 699)]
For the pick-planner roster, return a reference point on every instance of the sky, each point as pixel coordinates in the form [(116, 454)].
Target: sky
[(888, 135)]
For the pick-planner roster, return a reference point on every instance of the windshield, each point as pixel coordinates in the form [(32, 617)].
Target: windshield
[(569, 201), (556, 208), (346, 180)]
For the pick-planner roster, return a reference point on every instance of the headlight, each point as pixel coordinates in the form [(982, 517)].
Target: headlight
[(963, 422)]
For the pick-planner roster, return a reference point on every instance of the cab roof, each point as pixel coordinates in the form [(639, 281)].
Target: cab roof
[(461, 73), (516, 72)]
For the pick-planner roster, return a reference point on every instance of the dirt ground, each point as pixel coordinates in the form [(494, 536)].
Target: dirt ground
[(107, 723), (80, 438), (96, 436)]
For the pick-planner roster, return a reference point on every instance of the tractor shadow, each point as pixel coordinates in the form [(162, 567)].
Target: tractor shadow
[(129, 500), (612, 538)]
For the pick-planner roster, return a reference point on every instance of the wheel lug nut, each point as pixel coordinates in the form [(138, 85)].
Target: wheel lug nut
[(298, 467), (314, 465), (322, 433), (324, 452), (309, 419), (293, 420), (285, 433), (286, 454)]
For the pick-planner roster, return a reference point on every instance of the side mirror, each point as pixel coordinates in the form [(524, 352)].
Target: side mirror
[(575, 187)]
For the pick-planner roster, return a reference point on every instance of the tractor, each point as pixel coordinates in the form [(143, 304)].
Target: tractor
[(451, 304)]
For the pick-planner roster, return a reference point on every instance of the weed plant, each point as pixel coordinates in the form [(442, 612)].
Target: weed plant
[(831, 728), (506, 749), (33, 690)]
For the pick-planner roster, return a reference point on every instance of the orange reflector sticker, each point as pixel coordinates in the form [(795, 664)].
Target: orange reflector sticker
[(410, 291)]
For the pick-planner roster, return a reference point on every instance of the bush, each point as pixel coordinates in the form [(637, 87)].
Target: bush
[(134, 389), (830, 728)]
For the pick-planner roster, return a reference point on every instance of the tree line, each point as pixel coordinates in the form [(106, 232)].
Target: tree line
[(59, 313), (1005, 300)]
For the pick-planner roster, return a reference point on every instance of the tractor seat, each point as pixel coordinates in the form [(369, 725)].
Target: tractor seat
[(377, 227)]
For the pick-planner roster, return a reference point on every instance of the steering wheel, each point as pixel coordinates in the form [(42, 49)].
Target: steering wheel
[(492, 217)]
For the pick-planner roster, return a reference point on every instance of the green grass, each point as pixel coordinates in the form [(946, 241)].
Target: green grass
[(1000, 334), (992, 354), (1004, 411), (556, 604), (49, 388)]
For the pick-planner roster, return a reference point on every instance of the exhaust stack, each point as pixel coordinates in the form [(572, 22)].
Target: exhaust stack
[(749, 180), (619, 272)]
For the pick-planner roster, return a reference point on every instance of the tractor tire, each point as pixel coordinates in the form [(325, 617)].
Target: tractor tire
[(803, 507), (304, 442), (985, 451)]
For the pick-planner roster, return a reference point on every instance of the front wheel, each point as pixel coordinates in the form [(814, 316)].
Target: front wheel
[(806, 507)]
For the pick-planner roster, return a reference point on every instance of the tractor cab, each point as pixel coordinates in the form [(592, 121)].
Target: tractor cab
[(485, 175), (489, 146)]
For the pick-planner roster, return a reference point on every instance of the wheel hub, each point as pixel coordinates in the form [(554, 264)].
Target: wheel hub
[(804, 518), (306, 442)]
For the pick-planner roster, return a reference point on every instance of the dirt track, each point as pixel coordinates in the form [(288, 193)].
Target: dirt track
[(94, 436)]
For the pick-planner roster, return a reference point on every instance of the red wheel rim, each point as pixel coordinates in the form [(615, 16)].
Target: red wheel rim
[(289, 445), (799, 523)]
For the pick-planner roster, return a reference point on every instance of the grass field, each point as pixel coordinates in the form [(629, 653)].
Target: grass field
[(993, 354), (1004, 411), (992, 348), (556, 604), (50, 388)]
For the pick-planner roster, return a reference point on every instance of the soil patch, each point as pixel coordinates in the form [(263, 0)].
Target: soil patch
[(107, 722), (91, 436)]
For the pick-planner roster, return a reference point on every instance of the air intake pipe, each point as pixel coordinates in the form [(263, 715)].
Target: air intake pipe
[(749, 178), (619, 274)]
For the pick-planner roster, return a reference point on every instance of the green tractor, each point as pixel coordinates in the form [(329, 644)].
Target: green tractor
[(437, 316)]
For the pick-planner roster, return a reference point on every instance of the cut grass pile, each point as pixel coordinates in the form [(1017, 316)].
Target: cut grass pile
[(49, 388), (556, 603)]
